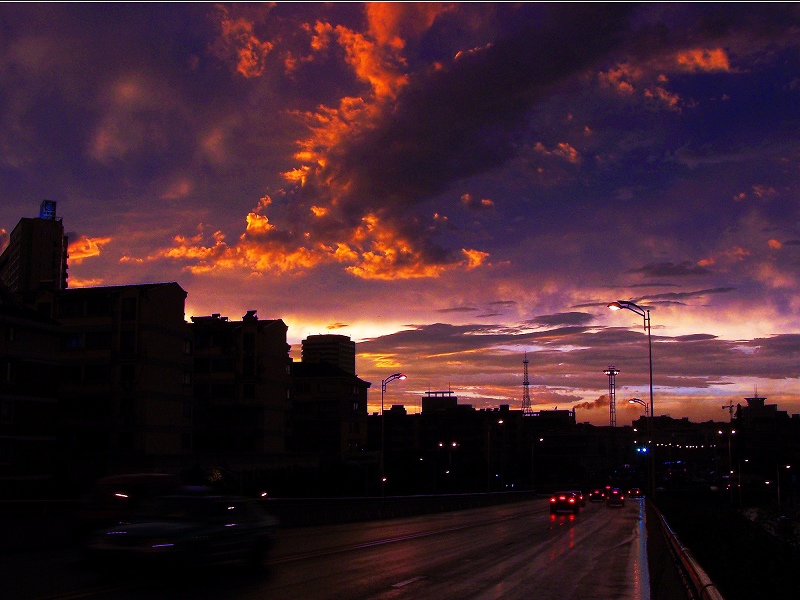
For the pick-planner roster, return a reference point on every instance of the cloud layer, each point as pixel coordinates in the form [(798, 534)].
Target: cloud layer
[(452, 185)]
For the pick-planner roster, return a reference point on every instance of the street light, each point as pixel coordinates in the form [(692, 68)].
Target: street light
[(489, 455), (384, 383), (650, 450), (642, 403), (645, 313)]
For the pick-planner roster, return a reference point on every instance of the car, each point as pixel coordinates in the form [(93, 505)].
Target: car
[(597, 495), (117, 498), (635, 493), (581, 498), (188, 529), (615, 498), (564, 501)]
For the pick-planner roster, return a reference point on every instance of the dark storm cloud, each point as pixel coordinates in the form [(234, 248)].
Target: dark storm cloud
[(785, 345), (568, 318), (467, 118), (459, 309), (669, 269), (680, 297)]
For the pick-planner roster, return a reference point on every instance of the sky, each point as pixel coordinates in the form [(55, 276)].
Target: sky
[(454, 186)]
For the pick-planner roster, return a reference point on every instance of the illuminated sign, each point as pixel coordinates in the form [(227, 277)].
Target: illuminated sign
[(47, 210)]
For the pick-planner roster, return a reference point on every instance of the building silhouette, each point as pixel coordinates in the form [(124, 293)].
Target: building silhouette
[(36, 256), (328, 415), (29, 408), (113, 379), (125, 390), (240, 394), (337, 350)]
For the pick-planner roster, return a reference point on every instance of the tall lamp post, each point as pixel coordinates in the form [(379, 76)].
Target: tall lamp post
[(645, 313), (649, 418), (384, 383)]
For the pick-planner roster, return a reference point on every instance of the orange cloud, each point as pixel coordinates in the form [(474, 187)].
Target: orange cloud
[(476, 204), (390, 22), (178, 189), (668, 99), (86, 247), (562, 150), (238, 43), (475, 258), (567, 152), (733, 255), (764, 191), (774, 244), (81, 283), (621, 78), (701, 59), (373, 63)]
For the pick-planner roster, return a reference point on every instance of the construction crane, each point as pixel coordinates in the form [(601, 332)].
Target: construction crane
[(730, 408)]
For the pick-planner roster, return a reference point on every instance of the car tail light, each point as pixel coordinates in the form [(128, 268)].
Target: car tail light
[(572, 500), (553, 499)]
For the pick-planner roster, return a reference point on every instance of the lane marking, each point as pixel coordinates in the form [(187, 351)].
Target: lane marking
[(381, 542), (408, 581)]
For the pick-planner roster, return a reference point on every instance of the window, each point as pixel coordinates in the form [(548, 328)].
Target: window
[(127, 372), (128, 312), (6, 411), (127, 342), (73, 341), (96, 373), (248, 366), (98, 305), (98, 340), (10, 372), (249, 342)]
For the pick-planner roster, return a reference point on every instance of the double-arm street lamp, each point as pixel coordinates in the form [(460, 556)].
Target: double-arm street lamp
[(384, 383), (645, 313)]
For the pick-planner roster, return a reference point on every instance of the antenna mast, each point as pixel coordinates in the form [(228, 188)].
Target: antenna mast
[(526, 394)]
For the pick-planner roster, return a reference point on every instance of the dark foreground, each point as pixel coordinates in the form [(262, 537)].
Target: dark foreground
[(749, 554)]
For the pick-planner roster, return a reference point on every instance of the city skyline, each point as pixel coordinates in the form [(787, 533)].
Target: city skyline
[(449, 185)]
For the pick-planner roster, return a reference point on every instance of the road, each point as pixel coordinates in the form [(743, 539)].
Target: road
[(509, 551)]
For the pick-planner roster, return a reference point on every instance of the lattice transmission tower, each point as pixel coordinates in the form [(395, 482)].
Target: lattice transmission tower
[(526, 392), (612, 394)]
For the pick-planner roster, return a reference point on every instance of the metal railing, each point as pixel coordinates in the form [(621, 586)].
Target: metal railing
[(703, 586)]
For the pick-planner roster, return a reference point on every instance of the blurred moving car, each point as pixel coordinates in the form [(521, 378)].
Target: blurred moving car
[(564, 501), (597, 495), (635, 493), (189, 529), (615, 498), (117, 498), (580, 497)]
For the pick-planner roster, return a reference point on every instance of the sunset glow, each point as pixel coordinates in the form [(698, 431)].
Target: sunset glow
[(450, 185)]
